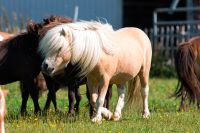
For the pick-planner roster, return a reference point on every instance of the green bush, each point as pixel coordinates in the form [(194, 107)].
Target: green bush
[(162, 68)]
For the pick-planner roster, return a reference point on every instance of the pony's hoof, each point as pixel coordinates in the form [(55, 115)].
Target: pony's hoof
[(97, 119), (145, 115), (24, 113), (58, 111), (109, 116), (116, 116), (71, 114), (38, 112)]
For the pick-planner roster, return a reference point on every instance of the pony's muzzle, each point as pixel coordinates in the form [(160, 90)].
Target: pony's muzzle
[(47, 68)]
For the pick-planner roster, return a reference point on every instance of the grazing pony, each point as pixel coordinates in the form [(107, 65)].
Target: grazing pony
[(104, 56), (187, 64)]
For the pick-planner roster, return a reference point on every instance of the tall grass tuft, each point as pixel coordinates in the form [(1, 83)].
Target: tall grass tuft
[(17, 25)]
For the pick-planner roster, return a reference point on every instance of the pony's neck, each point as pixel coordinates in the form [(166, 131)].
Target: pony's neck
[(86, 50), (89, 41)]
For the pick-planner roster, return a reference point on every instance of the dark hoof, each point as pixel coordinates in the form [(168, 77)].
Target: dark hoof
[(38, 112), (24, 113), (71, 114)]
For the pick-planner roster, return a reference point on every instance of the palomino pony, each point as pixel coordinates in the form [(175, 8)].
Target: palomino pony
[(69, 78), (20, 61), (104, 56), (187, 64)]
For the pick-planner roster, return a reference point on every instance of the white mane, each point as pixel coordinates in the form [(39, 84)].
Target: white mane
[(89, 39)]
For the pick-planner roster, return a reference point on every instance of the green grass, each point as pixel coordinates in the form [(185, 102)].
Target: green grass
[(165, 116)]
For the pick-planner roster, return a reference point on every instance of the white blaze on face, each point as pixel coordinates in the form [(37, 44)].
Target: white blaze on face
[(1, 38)]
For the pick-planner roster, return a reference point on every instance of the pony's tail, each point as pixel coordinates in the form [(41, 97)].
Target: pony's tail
[(133, 94), (185, 68)]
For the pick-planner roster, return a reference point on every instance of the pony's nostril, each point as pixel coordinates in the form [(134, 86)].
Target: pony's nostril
[(50, 69), (45, 66)]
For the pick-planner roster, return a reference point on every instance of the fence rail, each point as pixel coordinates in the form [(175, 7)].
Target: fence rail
[(167, 35)]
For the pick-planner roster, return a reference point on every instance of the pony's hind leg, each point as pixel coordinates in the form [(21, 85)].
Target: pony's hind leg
[(120, 104), (145, 93), (183, 105), (144, 79)]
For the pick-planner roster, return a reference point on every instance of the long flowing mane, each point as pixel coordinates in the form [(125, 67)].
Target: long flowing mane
[(89, 39)]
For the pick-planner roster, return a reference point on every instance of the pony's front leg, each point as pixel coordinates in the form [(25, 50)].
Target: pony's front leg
[(120, 104), (100, 101)]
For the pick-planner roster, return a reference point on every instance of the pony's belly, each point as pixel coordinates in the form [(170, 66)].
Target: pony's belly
[(120, 78)]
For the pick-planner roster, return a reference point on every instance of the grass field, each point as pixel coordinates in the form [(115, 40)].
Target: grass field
[(165, 116)]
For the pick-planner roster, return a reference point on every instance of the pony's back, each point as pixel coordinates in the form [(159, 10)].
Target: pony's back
[(4, 36)]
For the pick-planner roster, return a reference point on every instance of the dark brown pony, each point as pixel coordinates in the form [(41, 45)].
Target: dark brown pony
[(19, 61), (187, 64), (38, 81)]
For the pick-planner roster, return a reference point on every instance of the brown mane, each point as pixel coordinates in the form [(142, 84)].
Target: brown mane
[(40, 29)]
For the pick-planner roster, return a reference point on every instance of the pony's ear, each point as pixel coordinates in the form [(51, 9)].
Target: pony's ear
[(67, 34), (62, 32)]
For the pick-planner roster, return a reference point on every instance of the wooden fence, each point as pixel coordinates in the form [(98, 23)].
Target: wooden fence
[(169, 37)]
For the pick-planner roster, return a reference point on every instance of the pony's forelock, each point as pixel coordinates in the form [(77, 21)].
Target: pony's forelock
[(52, 42)]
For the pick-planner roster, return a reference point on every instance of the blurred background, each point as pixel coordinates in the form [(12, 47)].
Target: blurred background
[(167, 22)]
